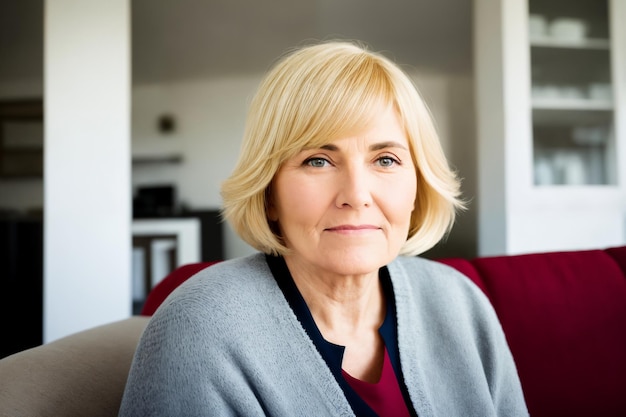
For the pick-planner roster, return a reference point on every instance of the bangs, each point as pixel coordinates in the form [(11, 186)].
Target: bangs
[(337, 99), (352, 104)]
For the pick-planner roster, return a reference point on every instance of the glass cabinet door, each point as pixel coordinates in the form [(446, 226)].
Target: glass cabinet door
[(572, 93)]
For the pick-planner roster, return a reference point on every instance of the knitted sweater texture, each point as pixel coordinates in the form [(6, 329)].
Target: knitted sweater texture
[(226, 343)]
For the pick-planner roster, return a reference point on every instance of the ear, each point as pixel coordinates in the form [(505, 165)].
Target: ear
[(270, 208), (271, 212)]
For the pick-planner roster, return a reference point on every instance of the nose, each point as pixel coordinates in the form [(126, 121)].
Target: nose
[(354, 188)]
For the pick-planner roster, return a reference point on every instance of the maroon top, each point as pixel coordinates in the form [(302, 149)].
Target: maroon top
[(384, 396)]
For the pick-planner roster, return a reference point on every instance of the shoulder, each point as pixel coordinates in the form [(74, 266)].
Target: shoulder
[(198, 317), (238, 275), (244, 266), (444, 318), (232, 290), (436, 287), (429, 275), (444, 305)]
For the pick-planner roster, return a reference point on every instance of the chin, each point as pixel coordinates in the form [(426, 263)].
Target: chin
[(357, 264)]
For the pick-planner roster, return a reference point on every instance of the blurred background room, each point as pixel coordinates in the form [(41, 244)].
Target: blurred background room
[(120, 119)]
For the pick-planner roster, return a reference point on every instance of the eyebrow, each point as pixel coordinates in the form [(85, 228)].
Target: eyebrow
[(375, 147)]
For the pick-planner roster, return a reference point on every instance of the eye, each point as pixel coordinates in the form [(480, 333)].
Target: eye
[(387, 161), (316, 162)]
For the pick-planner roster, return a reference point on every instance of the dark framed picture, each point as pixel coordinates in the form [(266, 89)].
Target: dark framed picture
[(21, 138)]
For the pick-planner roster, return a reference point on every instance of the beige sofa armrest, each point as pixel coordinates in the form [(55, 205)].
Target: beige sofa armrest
[(83, 374)]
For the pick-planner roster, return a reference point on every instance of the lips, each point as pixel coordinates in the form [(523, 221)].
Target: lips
[(352, 228)]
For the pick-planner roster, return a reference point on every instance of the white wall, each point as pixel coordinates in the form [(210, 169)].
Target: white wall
[(209, 124), (210, 116), (87, 250)]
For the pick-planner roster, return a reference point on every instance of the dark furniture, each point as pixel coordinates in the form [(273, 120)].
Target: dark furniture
[(21, 276)]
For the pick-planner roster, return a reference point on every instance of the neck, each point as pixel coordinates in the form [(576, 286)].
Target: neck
[(341, 305)]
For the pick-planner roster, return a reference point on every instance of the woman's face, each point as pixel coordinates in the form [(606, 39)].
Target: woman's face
[(345, 208)]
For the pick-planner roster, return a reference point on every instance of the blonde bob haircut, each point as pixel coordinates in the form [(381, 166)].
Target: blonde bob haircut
[(319, 93)]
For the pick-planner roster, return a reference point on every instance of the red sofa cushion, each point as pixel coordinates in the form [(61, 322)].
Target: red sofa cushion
[(564, 316), (619, 256)]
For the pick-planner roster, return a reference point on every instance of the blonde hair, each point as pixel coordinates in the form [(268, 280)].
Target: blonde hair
[(321, 92)]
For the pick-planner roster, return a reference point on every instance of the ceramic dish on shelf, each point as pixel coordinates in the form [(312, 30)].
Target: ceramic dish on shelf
[(568, 29), (600, 91)]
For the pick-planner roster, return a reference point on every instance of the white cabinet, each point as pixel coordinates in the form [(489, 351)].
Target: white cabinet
[(551, 116), (571, 93)]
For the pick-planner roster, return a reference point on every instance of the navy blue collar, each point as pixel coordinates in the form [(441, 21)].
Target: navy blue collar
[(330, 352)]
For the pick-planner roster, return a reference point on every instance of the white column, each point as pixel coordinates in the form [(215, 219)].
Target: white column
[(490, 124), (617, 9), (87, 190)]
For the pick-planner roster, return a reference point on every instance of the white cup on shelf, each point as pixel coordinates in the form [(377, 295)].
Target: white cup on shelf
[(545, 91), (572, 92), (544, 171), (568, 29), (575, 170), (596, 166), (600, 91)]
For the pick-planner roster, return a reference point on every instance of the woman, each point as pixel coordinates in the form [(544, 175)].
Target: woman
[(341, 171)]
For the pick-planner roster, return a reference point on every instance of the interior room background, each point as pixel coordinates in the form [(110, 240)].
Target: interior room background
[(195, 64), (198, 63)]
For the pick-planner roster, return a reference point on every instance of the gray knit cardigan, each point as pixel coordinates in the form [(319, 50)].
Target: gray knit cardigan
[(227, 343)]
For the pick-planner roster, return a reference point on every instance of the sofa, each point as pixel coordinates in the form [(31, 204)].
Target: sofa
[(563, 313)]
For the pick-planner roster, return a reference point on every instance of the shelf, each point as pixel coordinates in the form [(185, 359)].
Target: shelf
[(21, 163), (570, 66), (559, 114), (558, 103), (551, 116), (22, 109), (570, 44), (21, 138), (33, 150), (157, 159)]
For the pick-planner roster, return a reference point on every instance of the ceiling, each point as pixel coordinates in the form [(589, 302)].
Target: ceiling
[(195, 38), (183, 39)]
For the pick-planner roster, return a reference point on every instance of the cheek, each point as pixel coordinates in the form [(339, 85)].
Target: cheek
[(410, 192), (404, 202), (293, 201)]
